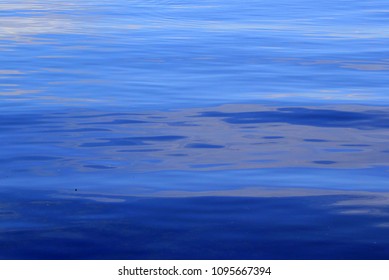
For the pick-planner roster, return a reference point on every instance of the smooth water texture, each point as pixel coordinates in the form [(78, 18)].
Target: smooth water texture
[(208, 129)]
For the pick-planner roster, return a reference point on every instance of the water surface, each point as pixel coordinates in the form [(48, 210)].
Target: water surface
[(194, 129)]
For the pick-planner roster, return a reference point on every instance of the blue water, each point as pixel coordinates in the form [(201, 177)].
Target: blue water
[(162, 129)]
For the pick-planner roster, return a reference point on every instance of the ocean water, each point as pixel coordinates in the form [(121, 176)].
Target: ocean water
[(162, 129)]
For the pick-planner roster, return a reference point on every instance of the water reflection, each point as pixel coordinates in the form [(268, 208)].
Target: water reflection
[(116, 144), (254, 226), (208, 138), (167, 54)]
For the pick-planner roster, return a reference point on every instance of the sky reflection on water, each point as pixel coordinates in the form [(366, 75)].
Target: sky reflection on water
[(191, 228), (174, 128), (226, 137), (165, 54)]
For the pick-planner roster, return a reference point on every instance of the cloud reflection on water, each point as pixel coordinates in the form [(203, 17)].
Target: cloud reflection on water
[(226, 137), (150, 52)]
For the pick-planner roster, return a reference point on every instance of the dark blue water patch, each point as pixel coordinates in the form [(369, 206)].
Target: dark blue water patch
[(38, 142), (188, 228), (86, 129), (132, 141), (119, 121), (156, 117), (306, 116), (30, 158), (273, 137), (139, 150), (315, 140), (324, 161), (334, 150), (20, 170), (210, 165), (355, 145), (97, 166), (204, 146), (181, 124), (21, 120), (264, 143), (7, 213), (92, 116)]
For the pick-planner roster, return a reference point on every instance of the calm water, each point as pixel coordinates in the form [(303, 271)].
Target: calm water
[(211, 129)]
